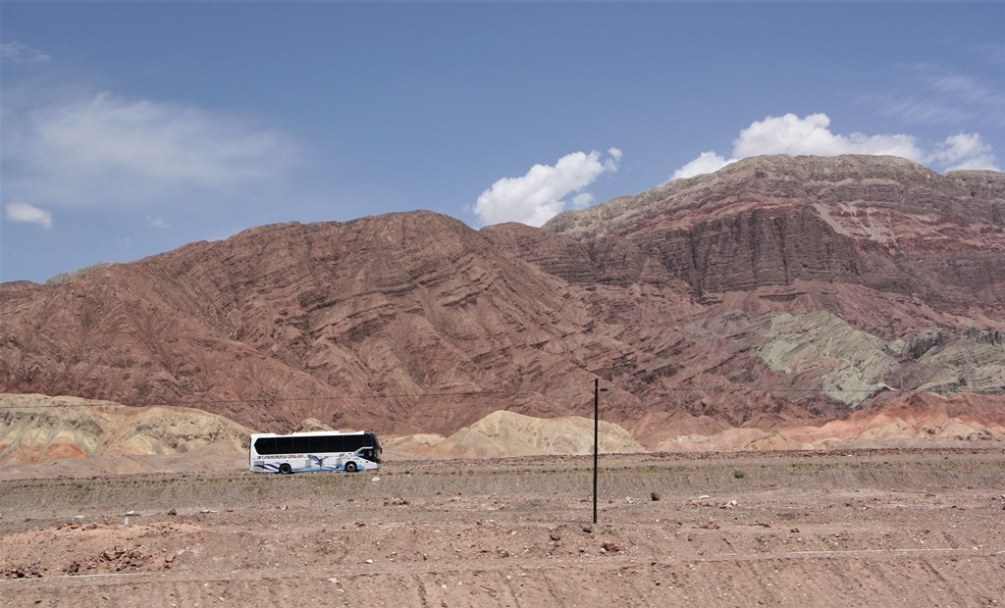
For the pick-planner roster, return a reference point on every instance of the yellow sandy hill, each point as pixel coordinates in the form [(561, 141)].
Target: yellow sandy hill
[(38, 428), (503, 434)]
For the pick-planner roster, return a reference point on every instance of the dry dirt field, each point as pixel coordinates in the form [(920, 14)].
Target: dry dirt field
[(920, 528)]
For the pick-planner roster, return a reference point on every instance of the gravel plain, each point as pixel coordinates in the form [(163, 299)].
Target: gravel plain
[(859, 528)]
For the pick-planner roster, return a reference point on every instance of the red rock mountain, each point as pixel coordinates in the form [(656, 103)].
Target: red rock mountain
[(777, 289)]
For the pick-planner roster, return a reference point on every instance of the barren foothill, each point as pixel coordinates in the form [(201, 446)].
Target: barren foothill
[(857, 528)]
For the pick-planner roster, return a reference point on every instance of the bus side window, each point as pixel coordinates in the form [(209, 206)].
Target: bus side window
[(301, 444)]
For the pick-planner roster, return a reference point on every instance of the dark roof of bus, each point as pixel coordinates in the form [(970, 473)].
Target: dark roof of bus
[(312, 434)]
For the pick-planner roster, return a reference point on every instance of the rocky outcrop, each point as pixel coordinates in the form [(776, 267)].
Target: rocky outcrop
[(882, 222)]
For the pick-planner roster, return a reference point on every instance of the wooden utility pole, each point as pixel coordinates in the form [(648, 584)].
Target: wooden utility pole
[(596, 440)]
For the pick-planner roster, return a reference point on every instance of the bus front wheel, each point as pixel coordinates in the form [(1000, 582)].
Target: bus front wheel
[(285, 469), (350, 467)]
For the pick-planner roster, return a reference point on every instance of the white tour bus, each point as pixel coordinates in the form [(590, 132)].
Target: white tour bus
[(317, 451)]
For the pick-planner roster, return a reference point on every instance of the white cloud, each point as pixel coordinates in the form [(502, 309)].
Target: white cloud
[(26, 212), (542, 192), (17, 52), (707, 162), (964, 151), (811, 135), (107, 149)]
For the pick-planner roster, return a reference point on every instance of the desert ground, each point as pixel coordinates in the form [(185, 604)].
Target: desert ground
[(895, 527)]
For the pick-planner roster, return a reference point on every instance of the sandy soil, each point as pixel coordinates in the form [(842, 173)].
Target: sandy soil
[(865, 528)]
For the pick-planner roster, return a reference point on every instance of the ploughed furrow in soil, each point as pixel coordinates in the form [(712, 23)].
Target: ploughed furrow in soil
[(879, 579), (879, 528)]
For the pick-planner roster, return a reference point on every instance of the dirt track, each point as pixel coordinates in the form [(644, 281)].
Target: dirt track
[(884, 528)]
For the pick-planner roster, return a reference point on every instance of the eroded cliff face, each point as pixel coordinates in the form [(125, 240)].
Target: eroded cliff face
[(776, 291), (882, 222)]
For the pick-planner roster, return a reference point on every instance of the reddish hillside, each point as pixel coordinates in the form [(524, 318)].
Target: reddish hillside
[(774, 291), (375, 322), (881, 222)]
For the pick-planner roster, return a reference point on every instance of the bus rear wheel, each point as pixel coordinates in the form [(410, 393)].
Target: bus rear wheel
[(350, 467), (285, 469)]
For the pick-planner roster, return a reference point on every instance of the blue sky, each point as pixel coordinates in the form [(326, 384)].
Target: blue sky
[(130, 129)]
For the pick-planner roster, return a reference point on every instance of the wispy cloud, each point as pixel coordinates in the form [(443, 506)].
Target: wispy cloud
[(106, 149), (961, 86), (543, 192), (941, 95), (17, 52), (28, 213), (811, 135), (158, 222), (995, 52), (921, 111)]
